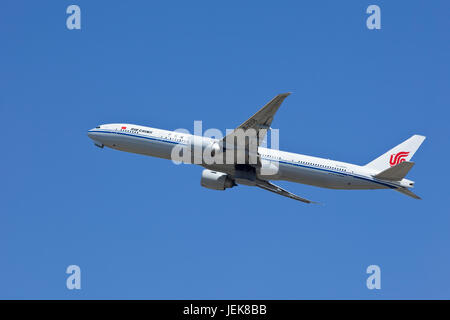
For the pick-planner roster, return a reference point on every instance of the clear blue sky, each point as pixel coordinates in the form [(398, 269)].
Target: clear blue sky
[(141, 227)]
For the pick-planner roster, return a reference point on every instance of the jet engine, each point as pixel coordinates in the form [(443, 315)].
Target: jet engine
[(216, 180)]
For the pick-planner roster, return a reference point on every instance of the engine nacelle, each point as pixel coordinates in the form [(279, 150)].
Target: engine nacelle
[(216, 180)]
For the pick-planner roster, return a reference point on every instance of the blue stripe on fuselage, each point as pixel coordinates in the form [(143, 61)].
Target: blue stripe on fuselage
[(338, 172), (137, 136), (285, 162)]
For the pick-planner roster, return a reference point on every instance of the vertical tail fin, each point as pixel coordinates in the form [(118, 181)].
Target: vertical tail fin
[(403, 152)]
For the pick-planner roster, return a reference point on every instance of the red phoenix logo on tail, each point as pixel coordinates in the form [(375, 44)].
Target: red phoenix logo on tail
[(398, 158)]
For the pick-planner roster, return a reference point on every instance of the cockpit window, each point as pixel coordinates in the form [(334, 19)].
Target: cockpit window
[(97, 127)]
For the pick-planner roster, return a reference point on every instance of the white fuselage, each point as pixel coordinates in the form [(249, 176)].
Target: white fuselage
[(290, 166)]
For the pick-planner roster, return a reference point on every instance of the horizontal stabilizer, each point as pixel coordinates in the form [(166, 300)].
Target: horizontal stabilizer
[(409, 193), (395, 173)]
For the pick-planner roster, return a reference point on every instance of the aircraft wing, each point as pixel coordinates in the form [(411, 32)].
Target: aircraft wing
[(266, 185), (260, 121)]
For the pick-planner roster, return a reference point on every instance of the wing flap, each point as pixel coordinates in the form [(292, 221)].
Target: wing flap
[(266, 185)]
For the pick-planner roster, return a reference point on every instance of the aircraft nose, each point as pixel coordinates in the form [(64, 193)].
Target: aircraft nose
[(95, 136), (91, 134)]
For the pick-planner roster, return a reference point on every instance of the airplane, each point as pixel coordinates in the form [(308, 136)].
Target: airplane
[(388, 171)]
